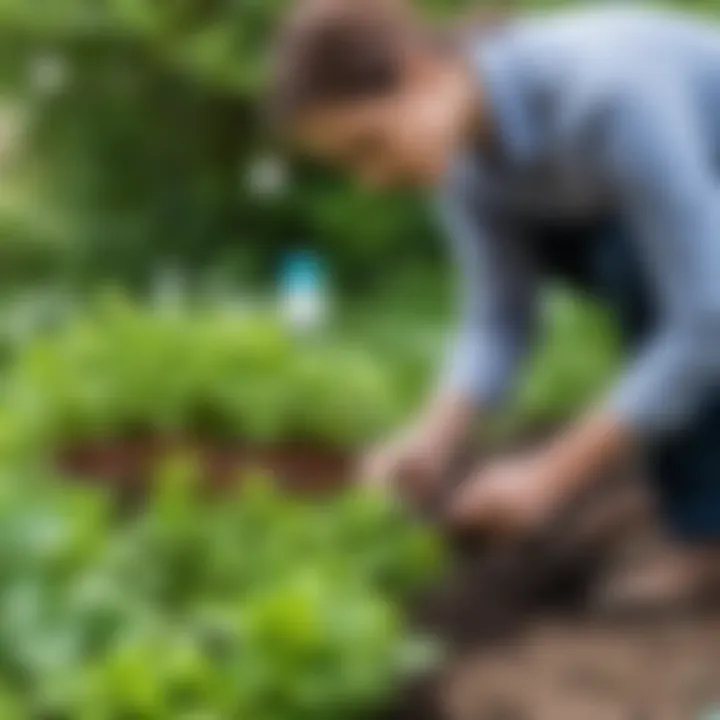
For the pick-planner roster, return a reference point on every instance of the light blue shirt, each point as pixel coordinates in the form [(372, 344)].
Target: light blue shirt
[(602, 111)]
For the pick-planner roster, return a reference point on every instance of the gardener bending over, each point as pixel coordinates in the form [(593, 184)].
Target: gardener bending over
[(584, 145)]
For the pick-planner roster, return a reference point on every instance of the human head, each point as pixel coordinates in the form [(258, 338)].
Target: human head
[(363, 85)]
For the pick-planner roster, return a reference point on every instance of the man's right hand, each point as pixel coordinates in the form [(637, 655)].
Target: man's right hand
[(417, 461)]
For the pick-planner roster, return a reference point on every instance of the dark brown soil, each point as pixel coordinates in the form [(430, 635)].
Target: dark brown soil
[(126, 465), (560, 669), (525, 644)]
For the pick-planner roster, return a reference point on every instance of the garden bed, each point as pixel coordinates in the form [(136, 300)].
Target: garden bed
[(523, 644)]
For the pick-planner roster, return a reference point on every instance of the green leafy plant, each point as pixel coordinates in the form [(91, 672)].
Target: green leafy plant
[(125, 370), (248, 606)]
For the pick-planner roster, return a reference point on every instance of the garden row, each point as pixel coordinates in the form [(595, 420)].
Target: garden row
[(251, 603), (124, 372)]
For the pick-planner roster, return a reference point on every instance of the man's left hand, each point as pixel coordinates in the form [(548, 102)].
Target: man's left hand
[(510, 498)]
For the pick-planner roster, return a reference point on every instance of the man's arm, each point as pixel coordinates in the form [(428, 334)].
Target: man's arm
[(655, 157), (498, 292), (498, 305)]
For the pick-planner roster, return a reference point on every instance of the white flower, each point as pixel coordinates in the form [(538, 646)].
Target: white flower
[(49, 74), (268, 176)]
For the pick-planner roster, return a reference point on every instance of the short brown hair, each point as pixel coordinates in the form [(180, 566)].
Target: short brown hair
[(339, 50)]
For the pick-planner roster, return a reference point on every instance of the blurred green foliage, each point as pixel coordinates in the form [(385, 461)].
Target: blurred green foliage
[(144, 129), (248, 606)]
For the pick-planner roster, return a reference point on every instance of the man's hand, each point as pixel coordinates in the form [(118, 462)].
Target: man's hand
[(512, 497), (518, 495), (416, 461)]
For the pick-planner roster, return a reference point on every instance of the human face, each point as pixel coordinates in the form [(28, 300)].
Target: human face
[(404, 139)]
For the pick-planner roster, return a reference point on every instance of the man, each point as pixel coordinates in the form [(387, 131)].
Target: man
[(583, 145)]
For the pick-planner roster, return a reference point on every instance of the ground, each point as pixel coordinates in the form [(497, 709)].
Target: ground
[(530, 648), (573, 670)]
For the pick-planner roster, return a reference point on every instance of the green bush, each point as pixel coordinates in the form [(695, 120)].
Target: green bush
[(250, 606), (122, 370)]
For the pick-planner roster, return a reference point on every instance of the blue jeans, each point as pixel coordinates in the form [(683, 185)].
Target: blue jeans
[(684, 468)]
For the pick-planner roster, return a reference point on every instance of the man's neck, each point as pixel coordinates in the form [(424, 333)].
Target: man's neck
[(476, 128)]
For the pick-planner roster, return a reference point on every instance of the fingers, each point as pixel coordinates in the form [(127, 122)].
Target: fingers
[(473, 506), (398, 469), (378, 468), (488, 504)]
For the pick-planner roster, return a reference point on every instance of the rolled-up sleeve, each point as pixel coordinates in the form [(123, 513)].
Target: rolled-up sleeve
[(498, 304), (659, 164)]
